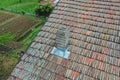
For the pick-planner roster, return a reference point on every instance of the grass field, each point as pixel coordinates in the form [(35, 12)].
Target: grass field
[(20, 5)]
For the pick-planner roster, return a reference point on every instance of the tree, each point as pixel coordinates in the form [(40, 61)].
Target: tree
[(44, 10)]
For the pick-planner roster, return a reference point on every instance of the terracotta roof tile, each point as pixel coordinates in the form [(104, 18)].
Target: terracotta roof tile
[(94, 44)]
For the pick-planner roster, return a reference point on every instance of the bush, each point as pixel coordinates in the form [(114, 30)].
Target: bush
[(44, 10)]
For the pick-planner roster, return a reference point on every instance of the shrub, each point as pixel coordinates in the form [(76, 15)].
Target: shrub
[(44, 10)]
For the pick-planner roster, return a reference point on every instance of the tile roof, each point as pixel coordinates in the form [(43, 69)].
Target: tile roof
[(94, 44)]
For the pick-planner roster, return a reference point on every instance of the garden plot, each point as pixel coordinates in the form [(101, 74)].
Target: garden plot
[(18, 25), (5, 16)]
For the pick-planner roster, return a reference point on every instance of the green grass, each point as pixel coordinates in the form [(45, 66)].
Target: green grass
[(8, 3), (29, 8), (25, 5), (7, 37)]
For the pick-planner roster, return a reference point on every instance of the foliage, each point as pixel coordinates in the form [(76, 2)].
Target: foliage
[(7, 37), (44, 10)]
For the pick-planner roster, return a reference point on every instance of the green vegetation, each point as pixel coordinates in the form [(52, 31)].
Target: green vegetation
[(28, 7), (9, 60), (7, 63), (20, 5), (7, 37), (44, 10)]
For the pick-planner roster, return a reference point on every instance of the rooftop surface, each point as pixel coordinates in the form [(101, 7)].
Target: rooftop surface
[(94, 44)]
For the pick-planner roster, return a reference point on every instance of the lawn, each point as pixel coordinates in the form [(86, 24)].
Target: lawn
[(20, 5)]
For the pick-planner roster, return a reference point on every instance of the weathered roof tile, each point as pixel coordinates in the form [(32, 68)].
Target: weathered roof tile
[(94, 44)]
